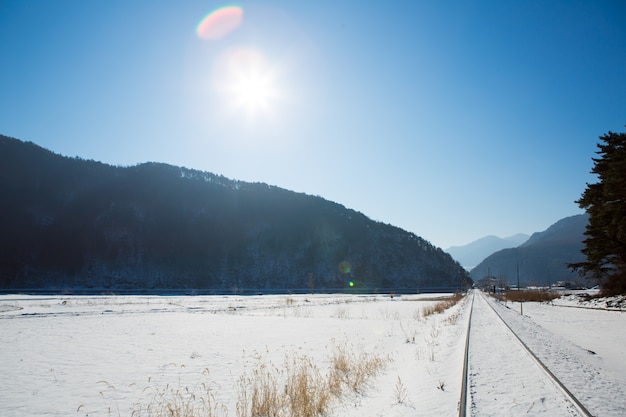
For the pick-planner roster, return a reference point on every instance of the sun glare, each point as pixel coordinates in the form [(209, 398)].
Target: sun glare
[(254, 92), (248, 83)]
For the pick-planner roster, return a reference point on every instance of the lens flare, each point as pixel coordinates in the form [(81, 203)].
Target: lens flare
[(345, 267), (219, 22), (351, 283)]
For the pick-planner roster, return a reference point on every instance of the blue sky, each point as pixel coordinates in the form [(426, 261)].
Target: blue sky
[(453, 120)]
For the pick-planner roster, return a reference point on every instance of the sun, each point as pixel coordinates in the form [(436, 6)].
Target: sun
[(248, 83), (254, 91)]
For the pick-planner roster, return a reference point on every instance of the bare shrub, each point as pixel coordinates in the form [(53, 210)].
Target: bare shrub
[(399, 392), (432, 343)]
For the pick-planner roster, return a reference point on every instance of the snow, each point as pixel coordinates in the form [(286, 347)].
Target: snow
[(595, 379), (504, 379), (95, 356), (599, 331), (579, 299)]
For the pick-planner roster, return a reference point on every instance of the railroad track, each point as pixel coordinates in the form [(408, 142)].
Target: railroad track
[(463, 399), (503, 376)]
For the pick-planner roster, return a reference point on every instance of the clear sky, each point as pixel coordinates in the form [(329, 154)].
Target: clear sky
[(451, 119)]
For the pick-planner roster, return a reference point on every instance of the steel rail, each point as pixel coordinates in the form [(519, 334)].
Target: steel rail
[(567, 392), (463, 400)]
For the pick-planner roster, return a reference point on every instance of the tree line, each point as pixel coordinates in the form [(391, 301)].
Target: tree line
[(605, 202)]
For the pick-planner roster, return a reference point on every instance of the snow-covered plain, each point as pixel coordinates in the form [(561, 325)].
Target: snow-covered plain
[(95, 356), (60, 354)]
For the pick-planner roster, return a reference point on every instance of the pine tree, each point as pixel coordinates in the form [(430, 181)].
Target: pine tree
[(605, 202)]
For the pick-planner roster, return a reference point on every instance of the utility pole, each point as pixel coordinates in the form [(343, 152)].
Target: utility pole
[(521, 308), (549, 280)]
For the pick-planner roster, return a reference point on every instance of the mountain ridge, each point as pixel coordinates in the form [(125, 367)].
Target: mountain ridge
[(73, 223), (542, 259), (474, 252)]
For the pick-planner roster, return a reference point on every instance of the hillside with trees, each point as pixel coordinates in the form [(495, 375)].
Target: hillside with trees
[(69, 223), (542, 260)]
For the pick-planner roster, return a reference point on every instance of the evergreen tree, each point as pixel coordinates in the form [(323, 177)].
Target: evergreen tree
[(605, 202)]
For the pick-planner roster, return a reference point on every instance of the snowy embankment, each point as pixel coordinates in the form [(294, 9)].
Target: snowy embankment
[(581, 299), (504, 379), (583, 347), (96, 356)]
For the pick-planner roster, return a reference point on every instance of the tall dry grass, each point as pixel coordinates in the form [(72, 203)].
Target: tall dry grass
[(298, 388), (442, 305), (352, 369), (530, 295), (177, 401)]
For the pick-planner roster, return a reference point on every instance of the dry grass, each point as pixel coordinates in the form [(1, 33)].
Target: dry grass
[(174, 401), (442, 305), (259, 394), (307, 390), (399, 392), (352, 370), (304, 392), (296, 389), (432, 343), (530, 295)]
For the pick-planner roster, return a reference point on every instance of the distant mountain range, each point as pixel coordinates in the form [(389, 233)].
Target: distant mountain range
[(68, 224), (542, 259), (473, 253)]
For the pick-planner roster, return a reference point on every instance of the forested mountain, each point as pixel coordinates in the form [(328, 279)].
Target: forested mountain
[(68, 223), (471, 254), (542, 259)]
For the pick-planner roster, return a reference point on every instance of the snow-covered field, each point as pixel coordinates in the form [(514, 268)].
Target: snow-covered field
[(99, 356)]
